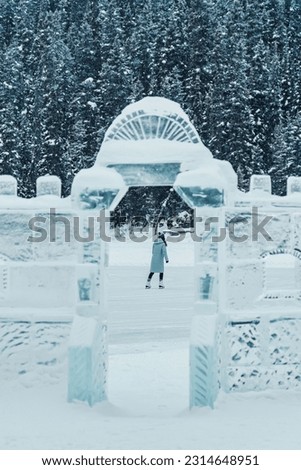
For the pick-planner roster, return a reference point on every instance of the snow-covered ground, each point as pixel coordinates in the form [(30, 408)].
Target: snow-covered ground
[(148, 380)]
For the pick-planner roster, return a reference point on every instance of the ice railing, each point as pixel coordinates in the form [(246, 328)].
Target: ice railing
[(41, 284)]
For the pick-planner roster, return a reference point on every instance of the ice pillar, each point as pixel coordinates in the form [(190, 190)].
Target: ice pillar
[(205, 189), (204, 384), (87, 353), (93, 191)]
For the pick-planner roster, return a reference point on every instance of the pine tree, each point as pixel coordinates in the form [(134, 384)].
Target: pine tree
[(7, 22), (286, 154), (291, 60), (114, 78), (12, 109), (229, 119), (74, 158), (54, 84), (199, 72)]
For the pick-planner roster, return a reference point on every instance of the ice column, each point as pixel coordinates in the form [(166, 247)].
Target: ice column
[(87, 354), (8, 185), (49, 186), (293, 185), (204, 192), (204, 330), (93, 191)]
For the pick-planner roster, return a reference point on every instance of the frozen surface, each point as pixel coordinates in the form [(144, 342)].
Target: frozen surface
[(131, 253), (148, 380)]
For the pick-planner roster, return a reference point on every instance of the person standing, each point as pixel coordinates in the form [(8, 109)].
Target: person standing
[(159, 254)]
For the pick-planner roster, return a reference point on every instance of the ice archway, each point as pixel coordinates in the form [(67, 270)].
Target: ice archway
[(244, 337)]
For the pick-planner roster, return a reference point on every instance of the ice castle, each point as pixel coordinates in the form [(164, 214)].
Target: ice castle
[(246, 328)]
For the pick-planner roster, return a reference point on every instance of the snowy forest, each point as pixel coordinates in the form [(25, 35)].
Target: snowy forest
[(68, 68)]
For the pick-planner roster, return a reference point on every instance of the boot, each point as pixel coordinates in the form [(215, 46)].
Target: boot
[(161, 285), (148, 284)]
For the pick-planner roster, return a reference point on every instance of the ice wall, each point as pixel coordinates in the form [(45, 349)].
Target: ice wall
[(246, 327)]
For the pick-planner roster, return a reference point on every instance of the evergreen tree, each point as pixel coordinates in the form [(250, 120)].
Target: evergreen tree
[(200, 67), (67, 69), (7, 22), (229, 120), (74, 158), (12, 111), (286, 154), (54, 84)]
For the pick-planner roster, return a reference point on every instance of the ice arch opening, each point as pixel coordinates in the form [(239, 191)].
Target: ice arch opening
[(282, 271), (295, 252)]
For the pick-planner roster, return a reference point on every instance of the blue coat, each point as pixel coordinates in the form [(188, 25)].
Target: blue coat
[(158, 255)]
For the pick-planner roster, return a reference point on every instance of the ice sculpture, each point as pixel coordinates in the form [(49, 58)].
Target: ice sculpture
[(8, 185), (206, 286), (204, 361), (84, 285), (246, 326), (86, 280), (248, 290), (153, 118), (261, 183), (294, 185), (37, 294), (97, 188), (93, 190), (4, 278), (87, 360), (149, 141), (49, 186), (205, 189)]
